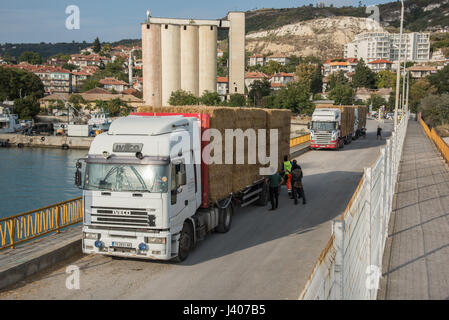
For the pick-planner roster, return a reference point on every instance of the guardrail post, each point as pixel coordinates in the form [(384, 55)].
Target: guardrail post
[(338, 228), (58, 219), (13, 232)]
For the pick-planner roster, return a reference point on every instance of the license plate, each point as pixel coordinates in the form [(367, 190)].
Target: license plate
[(122, 244)]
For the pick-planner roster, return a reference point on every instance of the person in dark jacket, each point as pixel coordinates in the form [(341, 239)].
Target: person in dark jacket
[(379, 133), (274, 182), (297, 186)]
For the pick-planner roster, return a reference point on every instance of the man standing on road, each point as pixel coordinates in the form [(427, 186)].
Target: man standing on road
[(297, 186), (379, 132), (274, 182), (287, 170)]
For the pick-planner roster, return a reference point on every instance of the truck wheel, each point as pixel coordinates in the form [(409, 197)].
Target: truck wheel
[(225, 219), (263, 197), (185, 242)]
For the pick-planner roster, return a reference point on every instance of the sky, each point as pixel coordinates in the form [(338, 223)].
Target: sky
[(25, 21)]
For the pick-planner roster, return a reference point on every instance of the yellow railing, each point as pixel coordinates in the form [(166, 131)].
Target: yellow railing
[(298, 140), (433, 135), (33, 224)]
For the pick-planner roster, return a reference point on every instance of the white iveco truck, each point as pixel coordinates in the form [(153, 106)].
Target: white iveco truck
[(143, 190)]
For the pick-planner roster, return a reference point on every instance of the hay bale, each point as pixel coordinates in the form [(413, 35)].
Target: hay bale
[(227, 178)]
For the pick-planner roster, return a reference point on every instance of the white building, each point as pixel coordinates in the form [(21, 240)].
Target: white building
[(223, 86), (282, 60), (331, 66), (371, 46), (256, 60)]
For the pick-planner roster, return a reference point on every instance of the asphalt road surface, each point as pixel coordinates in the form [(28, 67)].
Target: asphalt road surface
[(265, 255)]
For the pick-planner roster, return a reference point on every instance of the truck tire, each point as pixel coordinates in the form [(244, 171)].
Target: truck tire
[(263, 198), (185, 243), (225, 219)]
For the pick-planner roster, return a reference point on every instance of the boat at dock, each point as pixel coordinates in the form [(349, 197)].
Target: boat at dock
[(9, 123)]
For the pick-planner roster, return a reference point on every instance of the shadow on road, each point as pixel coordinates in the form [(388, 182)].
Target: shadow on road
[(256, 225)]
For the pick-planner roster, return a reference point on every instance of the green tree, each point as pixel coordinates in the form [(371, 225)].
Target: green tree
[(316, 85), (77, 100), (17, 84), (342, 94), (376, 101), (258, 90), (435, 109), (304, 72), (337, 78), (182, 98), (386, 79), (236, 100), (296, 97), (272, 67), (440, 80), (96, 45), (418, 91), (90, 84), (69, 66), (363, 77), (31, 57), (27, 108), (210, 99)]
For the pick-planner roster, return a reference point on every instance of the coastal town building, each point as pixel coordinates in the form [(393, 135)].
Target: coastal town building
[(380, 65), (331, 66), (421, 71), (223, 87), (250, 77), (371, 46), (114, 84)]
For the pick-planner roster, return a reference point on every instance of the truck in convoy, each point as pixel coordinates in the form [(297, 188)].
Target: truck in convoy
[(148, 191), (334, 126)]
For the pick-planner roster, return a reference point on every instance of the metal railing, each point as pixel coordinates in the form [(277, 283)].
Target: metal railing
[(350, 265), (27, 226), (298, 140), (439, 143)]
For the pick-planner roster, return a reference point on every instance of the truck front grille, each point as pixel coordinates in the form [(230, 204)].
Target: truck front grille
[(323, 138), (134, 218)]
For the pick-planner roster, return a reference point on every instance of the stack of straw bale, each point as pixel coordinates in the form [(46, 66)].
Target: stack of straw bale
[(226, 178)]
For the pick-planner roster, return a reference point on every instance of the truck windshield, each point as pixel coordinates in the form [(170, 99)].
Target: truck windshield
[(124, 177), (323, 126)]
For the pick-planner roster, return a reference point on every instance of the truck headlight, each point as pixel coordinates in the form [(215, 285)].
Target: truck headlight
[(91, 236), (155, 240)]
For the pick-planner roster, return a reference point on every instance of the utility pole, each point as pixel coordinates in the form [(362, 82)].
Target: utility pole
[(398, 75), (408, 91), (403, 78)]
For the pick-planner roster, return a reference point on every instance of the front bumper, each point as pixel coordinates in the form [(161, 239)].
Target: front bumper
[(324, 146), (126, 244)]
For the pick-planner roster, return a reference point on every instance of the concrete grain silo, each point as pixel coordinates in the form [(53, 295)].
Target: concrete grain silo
[(189, 59), (171, 60), (151, 55), (208, 59), (182, 54)]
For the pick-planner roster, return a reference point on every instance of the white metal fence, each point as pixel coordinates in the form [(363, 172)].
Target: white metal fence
[(350, 265)]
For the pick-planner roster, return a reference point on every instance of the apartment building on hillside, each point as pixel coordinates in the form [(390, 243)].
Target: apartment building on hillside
[(371, 46)]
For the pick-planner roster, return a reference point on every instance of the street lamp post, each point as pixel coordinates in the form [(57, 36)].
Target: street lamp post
[(398, 75), (408, 91)]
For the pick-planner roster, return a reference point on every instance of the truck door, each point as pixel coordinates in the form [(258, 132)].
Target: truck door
[(180, 197)]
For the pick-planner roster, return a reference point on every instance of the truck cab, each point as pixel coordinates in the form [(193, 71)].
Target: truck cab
[(142, 183), (325, 129)]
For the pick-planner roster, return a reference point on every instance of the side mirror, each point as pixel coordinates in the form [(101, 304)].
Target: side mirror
[(78, 178)]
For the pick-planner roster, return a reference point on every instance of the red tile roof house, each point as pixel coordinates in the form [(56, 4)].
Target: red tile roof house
[(250, 77), (282, 77), (277, 86), (55, 79), (418, 72), (380, 65), (223, 86), (114, 84), (256, 59)]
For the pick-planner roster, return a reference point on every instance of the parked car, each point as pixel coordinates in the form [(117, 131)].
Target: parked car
[(40, 129)]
